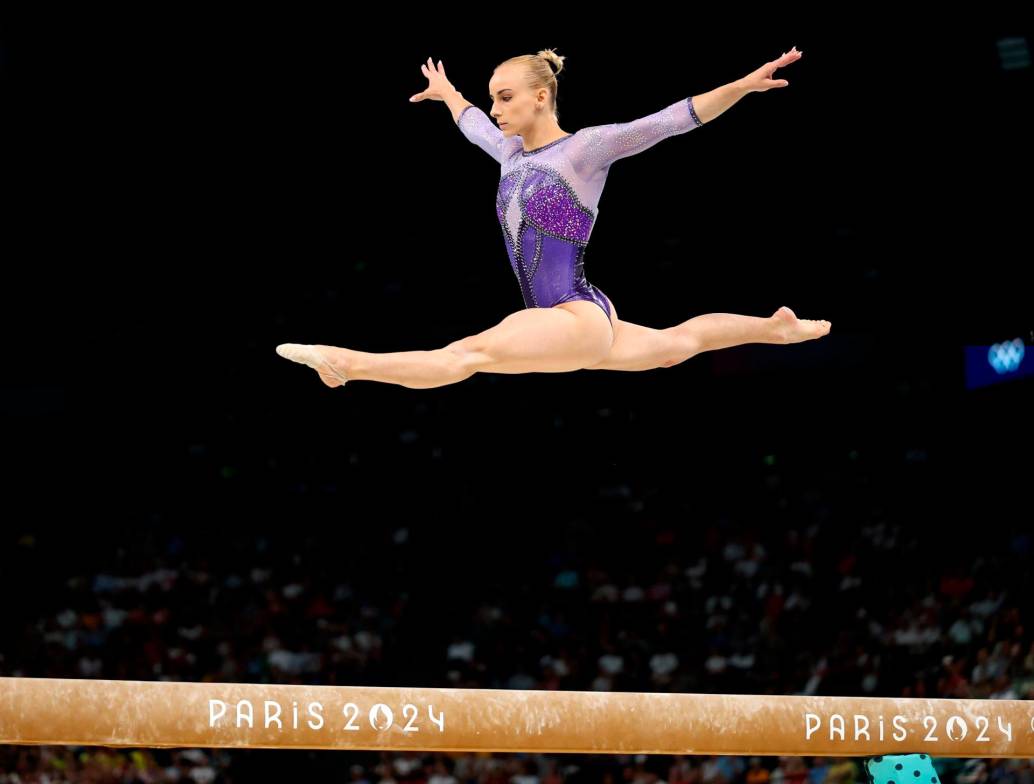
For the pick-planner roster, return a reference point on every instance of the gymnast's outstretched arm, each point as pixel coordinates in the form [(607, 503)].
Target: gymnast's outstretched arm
[(597, 147), (472, 121), (709, 105)]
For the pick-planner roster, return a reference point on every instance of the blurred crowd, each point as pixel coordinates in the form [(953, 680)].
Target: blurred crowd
[(817, 604)]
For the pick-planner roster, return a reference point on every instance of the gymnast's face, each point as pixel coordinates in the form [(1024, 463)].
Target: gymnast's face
[(513, 102)]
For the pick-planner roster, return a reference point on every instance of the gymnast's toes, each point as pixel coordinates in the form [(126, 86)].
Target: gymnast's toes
[(311, 356), (791, 329)]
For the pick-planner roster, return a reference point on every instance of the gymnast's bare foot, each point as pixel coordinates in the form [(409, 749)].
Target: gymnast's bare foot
[(332, 363), (791, 329)]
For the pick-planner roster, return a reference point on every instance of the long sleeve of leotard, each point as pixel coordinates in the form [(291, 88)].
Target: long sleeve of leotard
[(599, 146), (479, 129)]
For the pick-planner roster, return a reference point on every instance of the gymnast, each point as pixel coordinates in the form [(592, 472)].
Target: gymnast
[(547, 203)]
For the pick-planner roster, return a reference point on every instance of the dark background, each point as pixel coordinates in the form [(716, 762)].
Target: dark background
[(188, 193)]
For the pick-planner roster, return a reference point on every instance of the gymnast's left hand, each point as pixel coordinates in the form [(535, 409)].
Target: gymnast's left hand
[(761, 79)]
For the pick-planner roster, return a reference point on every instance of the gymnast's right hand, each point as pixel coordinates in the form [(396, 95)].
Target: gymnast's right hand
[(437, 84)]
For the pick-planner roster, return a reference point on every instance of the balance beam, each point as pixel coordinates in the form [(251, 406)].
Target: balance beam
[(164, 714)]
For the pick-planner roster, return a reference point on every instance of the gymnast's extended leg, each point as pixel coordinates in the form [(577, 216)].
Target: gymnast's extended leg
[(642, 348), (560, 339)]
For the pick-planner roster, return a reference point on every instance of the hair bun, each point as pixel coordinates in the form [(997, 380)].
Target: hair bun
[(550, 56)]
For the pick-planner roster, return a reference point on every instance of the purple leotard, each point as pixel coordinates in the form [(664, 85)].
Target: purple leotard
[(548, 197)]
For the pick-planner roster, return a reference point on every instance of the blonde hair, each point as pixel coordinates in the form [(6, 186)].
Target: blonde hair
[(539, 72)]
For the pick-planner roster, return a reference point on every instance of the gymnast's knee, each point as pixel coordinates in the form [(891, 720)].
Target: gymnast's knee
[(686, 346), (683, 347), (466, 354)]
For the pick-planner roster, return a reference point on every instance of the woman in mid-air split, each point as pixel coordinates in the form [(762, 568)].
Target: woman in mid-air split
[(547, 201)]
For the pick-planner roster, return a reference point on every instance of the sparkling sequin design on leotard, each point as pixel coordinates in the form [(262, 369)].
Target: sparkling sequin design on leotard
[(548, 198)]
